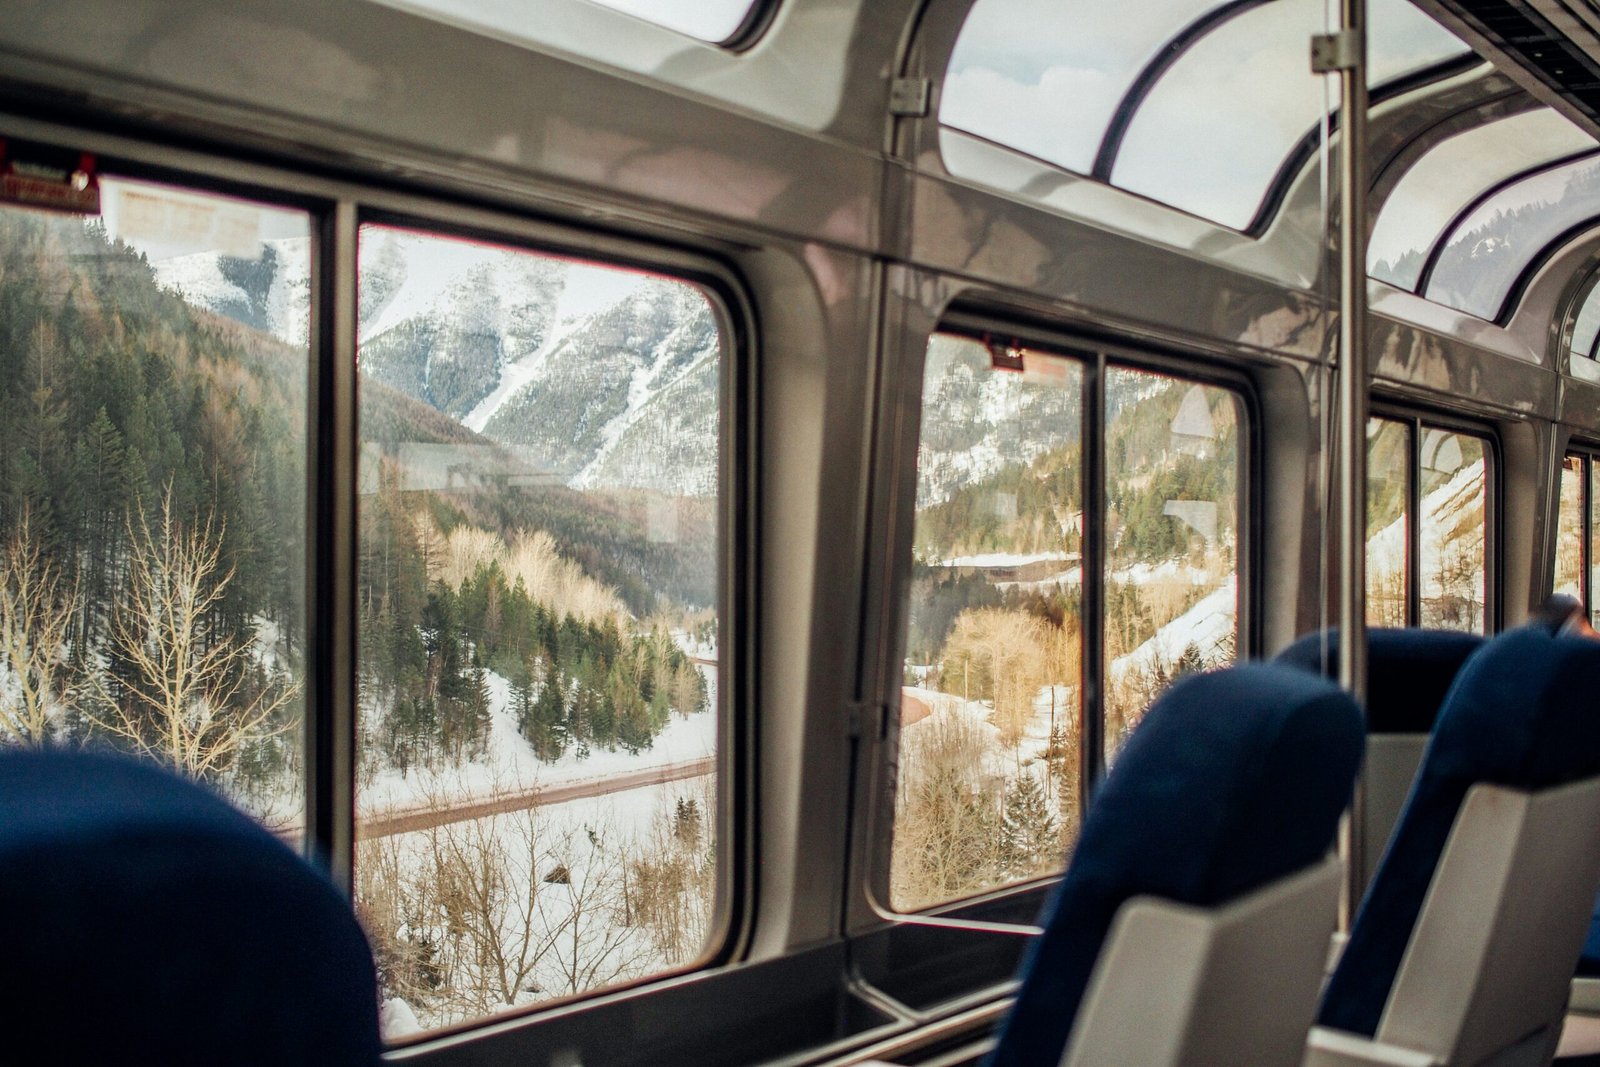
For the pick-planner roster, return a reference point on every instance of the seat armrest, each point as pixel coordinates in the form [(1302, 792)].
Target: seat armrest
[(1585, 996), (1335, 1048)]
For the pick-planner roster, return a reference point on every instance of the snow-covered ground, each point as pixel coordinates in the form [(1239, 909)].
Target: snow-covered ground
[(1208, 627), (510, 765), (569, 922)]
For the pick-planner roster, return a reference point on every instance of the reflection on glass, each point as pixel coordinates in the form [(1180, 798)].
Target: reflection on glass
[(712, 21), (1587, 325), (538, 633), (153, 372), (1452, 175), (1172, 538), (989, 739), (1569, 528), (1453, 578), (1594, 537), (1047, 78), (1388, 521), (1052, 88), (1489, 250), (1217, 128)]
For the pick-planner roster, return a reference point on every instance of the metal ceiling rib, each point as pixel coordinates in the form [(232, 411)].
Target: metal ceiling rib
[(1546, 44)]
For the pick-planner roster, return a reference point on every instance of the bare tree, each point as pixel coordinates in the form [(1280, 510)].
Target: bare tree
[(36, 612), (183, 694)]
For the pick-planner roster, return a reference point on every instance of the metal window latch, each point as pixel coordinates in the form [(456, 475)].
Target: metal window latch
[(1334, 52), (909, 97), (869, 721)]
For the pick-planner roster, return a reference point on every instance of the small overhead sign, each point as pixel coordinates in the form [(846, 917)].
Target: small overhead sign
[(48, 178)]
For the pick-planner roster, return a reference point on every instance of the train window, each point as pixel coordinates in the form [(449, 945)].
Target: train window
[(1389, 524), (1452, 175), (988, 784), (1577, 529), (989, 788), (1172, 538), (1143, 102), (712, 21), (1488, 250), (1427, 526), (1585, 338), (536, 784), (153, 384), (1571, 512), (1247, 85)]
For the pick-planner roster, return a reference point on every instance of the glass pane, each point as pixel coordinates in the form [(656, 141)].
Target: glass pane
[(153, 375), (1451, 176), (709, 20), (1594, 539), (1489, 250), (1388, 521), (988, 788), (1455, 486), (713, 21), (1172, 538), (538, 734), (1587, 325), (1046, 76), (1217, 128), (1569, 529)]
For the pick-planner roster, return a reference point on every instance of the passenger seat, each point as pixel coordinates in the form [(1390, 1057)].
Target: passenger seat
[(1464, 945), (1409, 673), (1192, 923), (144, 920)]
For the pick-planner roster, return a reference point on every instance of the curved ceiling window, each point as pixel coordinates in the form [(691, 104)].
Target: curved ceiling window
[(1144, 99), (1490, 248), (1586, 329), (1453, 175), (1053, 90), (712, 21)]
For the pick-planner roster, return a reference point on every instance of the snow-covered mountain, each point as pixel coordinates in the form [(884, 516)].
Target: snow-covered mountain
[(605, 378)]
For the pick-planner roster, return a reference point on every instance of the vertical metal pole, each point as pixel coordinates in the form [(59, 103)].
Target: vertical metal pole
[(1352, 390), (332, 548), (1092, 739)]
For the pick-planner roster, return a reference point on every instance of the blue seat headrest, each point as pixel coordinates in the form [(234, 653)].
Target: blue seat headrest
[(148, 921), (1233, 780), (1408, 672), (1521, 714)]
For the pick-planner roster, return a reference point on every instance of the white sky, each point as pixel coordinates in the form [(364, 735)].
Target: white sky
[(709, 20), (1045, 76)]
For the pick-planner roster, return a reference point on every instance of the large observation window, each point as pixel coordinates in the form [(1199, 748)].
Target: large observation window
[(712, 21), (1427, 526), (1452, 176), (1494, 243), (1585, 338), (1196, 104), (993, 709), (153, 379), (537, 802)]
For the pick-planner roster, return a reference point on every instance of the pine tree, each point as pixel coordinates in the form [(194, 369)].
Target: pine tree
[(1029, 833)]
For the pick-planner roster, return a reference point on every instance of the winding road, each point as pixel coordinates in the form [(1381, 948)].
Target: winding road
[(409, 820)]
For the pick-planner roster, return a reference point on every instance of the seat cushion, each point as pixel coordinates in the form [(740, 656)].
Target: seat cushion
[(1233, 780), (145, 920), (1408, 672), (1521, 714)]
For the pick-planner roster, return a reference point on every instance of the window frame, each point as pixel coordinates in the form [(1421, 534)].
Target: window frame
[(1416, 420), (1150, 74), (1588, 454), (1096, 353), (337, 206)]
